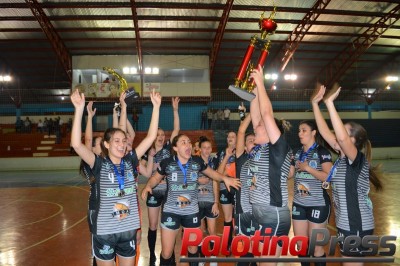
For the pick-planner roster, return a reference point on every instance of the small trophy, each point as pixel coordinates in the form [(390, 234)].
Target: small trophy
[(131, 93), (244, 86)]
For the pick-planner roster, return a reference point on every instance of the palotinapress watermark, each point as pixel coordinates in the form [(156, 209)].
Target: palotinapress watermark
[(374, 248)]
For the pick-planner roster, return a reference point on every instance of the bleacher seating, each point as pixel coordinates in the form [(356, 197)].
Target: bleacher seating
[(37, 144)]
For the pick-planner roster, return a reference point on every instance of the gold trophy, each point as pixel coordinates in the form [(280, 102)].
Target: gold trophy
[(131, 93), (244, 85)]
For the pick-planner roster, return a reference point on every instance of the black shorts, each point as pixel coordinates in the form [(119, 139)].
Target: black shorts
[(245, 224), (174, 221), (316, 214), (156, 199), (105, 247), (354, 252), (205, 210), (225, 197), (275, 218)]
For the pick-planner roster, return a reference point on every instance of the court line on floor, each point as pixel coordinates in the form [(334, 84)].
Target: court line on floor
[(53, 236), (61, 208)]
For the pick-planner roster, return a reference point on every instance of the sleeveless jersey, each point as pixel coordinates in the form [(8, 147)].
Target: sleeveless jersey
[(350, 189)]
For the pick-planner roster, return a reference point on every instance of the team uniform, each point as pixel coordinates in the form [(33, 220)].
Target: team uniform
[(158, 196), (93, 195), (181, 204), (116, 218), (244, 222), (206, 197), (353, 207), (270, 164), (311, 202), (225, 196)]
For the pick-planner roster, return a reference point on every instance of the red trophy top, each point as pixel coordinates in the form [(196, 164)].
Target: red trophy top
[(267, 25)]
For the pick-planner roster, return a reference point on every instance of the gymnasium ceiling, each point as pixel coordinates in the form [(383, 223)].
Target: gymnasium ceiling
[(354, 42)]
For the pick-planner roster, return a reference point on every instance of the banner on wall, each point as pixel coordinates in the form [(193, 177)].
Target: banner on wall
[(103, 90), (149, 87)]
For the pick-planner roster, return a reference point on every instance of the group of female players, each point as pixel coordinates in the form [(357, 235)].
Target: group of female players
[(248, 178)]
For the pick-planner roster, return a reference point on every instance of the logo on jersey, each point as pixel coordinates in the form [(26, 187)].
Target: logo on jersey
[(121, 210), (183, 200), (303, 189)]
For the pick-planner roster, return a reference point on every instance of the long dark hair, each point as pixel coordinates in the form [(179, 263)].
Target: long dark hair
[(283, 125), (318, 138), (363, 144)]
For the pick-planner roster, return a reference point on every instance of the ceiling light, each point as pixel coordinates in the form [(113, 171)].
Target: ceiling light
[(5, 78), (147, 70), (156, 70), (133, 70), (392, 78), (125, 70)]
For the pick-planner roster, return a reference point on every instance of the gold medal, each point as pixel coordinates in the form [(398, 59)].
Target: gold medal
[(325, 185)]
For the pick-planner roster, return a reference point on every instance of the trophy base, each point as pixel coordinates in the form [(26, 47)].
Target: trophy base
[(131, 96), (245, 95)]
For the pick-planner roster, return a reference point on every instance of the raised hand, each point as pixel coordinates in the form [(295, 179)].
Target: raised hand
[(318, 93), (333, 93), (91, 112), (175, 102), (155, 98), (78, 99), (258, 77)]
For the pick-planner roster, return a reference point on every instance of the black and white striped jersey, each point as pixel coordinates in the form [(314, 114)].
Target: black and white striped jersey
[(162, 154), (270, 167), (308, 190), (206, 192), (242, 195), (350, 189), (116, 213), (182, 194)]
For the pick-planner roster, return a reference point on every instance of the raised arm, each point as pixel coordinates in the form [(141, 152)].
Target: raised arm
[(147, 169), (265, 105), (130, 129), (152, 132), (241, 135), (89, 125), (175, 107), (342, 137), (115, 121), (255, 111), (78, 100), (323, 128), (123, 116), (223, 163), (229, 181)]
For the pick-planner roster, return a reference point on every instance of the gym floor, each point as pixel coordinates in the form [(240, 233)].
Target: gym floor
[(43, 220)]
